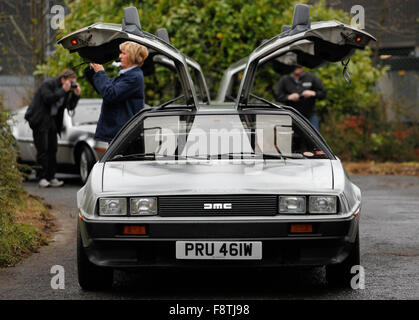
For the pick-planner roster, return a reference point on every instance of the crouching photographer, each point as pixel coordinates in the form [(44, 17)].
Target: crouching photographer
[(45, 116)]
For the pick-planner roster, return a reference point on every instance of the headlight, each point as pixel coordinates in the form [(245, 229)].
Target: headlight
[(292, 204), (143, 206), (113, 206), (322, 204)]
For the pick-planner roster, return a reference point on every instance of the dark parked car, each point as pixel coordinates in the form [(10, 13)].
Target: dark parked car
[(248, 183)]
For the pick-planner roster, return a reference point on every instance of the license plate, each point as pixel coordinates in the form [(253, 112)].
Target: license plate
[(223, 250)]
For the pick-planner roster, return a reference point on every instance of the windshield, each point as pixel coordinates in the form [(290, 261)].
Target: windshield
[(86, 113), (221, 136)]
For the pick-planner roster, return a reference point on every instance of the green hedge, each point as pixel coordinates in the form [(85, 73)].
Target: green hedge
[(15, 239), (11, 178)]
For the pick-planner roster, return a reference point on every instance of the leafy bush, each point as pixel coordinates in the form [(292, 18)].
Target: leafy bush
[(15, 238), (355, 138), (11, 188)]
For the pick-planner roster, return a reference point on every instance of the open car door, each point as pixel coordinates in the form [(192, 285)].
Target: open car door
[(330, 41), (99, 43), (284, 59), (194, 68)]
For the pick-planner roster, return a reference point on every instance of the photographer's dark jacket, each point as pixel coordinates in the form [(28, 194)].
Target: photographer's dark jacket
[(307, 81), (48, 104), (123, 97)]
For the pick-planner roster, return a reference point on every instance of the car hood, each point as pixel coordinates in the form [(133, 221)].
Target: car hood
[(217, 176), (90, 128)]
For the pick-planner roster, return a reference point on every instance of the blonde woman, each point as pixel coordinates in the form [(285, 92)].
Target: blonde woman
[(123, 96)]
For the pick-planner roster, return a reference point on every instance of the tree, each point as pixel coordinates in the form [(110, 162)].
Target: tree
[(24, 36)]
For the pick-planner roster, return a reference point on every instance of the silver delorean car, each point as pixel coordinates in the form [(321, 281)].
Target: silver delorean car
[(247, 183)]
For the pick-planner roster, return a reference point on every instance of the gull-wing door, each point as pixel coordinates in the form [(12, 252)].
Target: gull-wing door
[(225, 91), (194, 69), (199, 81), (330, 41), (284, 59), (99, 43)]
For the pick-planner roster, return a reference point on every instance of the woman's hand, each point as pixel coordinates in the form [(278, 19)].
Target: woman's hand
[(97, 67)]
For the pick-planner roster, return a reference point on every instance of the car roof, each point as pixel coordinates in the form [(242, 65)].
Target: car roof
[(216, 107)]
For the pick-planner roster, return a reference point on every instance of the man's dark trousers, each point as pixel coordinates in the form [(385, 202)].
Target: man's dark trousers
[(46, 142)]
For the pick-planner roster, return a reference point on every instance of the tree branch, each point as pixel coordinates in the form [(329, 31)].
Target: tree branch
[(19, 31)]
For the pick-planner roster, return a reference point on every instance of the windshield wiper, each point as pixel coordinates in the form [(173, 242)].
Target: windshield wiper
[(134, 156), (152, 156), (87, 123), (261, 155), (240, 155), (292, 156), (169, 102), (229, 155)]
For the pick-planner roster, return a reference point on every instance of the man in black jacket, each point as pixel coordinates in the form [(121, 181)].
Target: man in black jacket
[(45, 117), (300, 90)]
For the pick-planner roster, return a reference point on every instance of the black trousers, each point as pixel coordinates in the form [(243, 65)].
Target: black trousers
[(46, 141)]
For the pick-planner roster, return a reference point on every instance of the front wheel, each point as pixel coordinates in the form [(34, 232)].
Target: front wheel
[(86, 163), (339, 275), (90, 276)]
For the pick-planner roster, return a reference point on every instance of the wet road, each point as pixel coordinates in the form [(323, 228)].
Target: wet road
[(389, 253)]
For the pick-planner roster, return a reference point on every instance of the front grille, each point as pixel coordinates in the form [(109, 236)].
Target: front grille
[(254, 205)]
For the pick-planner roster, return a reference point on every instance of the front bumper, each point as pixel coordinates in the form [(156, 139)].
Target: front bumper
[(330, 242)]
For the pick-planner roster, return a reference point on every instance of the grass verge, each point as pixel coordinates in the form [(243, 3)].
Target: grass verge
[(25, 222), (383, 168), (24, 227)]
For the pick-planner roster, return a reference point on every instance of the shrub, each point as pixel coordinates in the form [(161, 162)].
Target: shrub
[(10, 179), (354, 138), (15, 238)]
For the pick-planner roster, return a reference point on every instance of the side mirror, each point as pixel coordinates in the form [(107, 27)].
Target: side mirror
[(301, 19), (131, 21), (163, 34)]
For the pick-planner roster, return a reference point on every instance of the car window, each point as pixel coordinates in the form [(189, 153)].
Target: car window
[(220, 136), (233, 85), (161, 84), (86, 113), (198, 84), (265, 79), (282, 134)]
